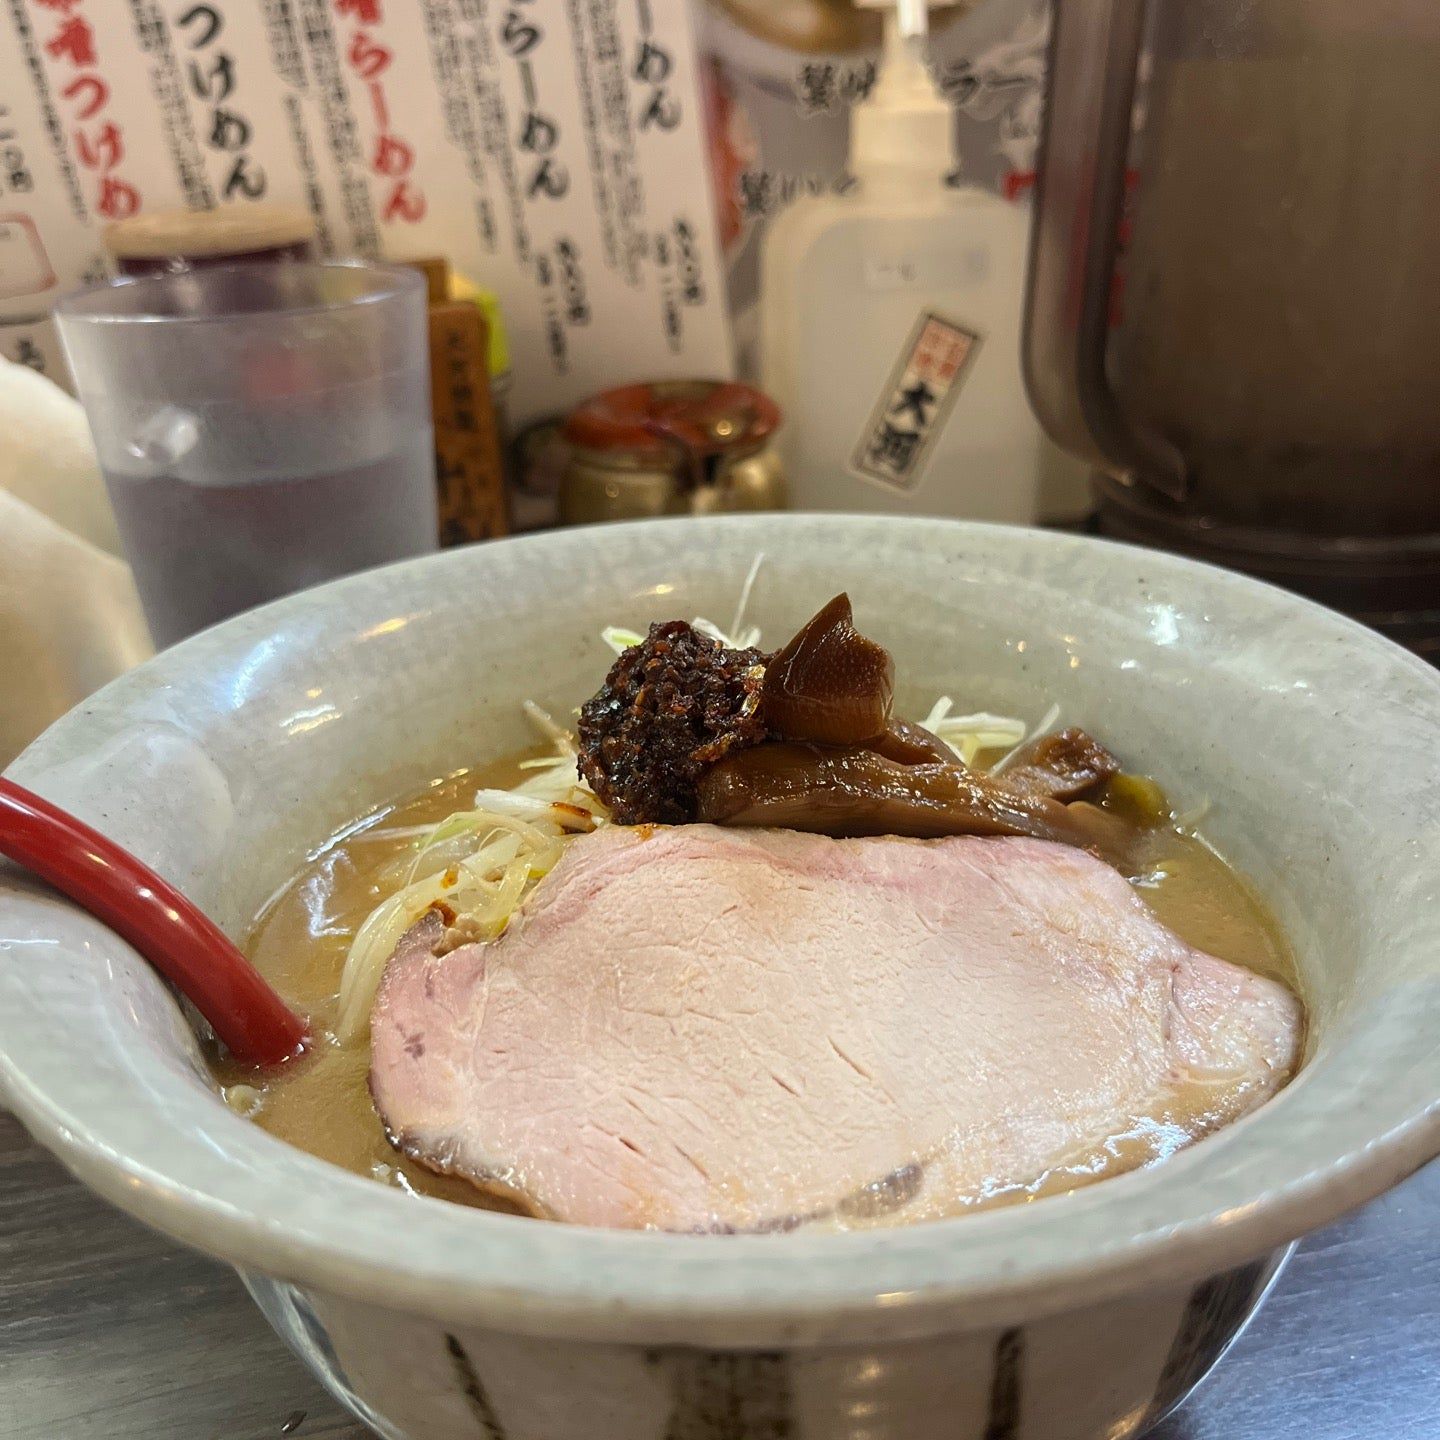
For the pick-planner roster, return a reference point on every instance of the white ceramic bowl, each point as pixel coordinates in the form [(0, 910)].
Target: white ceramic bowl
[(223, 761)]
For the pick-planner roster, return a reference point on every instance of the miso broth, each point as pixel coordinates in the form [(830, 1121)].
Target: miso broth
[(322, 1102)]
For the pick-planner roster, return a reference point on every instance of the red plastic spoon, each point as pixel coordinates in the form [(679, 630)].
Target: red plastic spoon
[(179, 941)]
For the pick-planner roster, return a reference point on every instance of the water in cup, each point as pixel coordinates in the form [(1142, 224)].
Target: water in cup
[(202, 553), (261, 429)]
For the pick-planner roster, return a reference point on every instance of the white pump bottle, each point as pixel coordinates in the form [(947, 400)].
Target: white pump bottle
[(890, 329)]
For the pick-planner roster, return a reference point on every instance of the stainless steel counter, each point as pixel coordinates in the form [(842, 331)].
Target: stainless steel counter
[(109, 1332)]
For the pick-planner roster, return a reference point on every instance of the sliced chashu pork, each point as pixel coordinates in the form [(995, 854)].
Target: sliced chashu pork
[(706, 1029)]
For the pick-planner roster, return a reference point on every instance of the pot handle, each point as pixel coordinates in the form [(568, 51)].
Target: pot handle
[(1079, 199)]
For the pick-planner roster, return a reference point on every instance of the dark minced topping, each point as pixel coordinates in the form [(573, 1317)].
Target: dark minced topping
[(686, 729), (670, 708)]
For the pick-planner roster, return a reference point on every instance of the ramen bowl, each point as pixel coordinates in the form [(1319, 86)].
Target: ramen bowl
[(225, 761)]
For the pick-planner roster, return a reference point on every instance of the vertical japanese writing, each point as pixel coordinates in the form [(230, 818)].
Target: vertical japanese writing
[(284, 42), (309, 173), (688, 275), (553, 149), (676, 246), (97, 140), (616, 135), (590, 125), (211, 74), (481, 61), (392, 159), (16, 176), (342, 134), (165, 84), (50, 116), (462, 99), (554, 327), (652, 70), (572, 282), (669, 303), (287, 59), (915, 403), (538, 136), (544, 178)]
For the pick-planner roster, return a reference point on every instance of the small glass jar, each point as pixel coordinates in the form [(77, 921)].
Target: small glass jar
[(169, 242), (671, 448)]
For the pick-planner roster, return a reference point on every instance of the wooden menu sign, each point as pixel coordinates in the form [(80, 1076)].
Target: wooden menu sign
[(469, 457)]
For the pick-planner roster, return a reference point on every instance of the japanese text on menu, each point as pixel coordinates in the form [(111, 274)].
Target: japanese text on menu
[(552, 150)]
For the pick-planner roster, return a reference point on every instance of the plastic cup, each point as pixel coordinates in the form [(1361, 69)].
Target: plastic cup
[(261, 428)]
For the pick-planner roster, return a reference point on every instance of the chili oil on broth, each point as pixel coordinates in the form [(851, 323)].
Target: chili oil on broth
[(322, 1104)]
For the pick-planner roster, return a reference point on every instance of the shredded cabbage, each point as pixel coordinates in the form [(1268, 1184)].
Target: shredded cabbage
[(480, 862), (620, 640), (969, 735)]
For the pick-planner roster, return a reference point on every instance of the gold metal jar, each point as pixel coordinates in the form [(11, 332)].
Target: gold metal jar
[(671, 448)]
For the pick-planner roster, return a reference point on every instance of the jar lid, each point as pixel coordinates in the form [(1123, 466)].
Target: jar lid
[(227, 230), (702, 417)]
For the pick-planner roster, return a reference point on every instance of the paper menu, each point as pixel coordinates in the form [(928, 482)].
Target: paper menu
[(553, 149)]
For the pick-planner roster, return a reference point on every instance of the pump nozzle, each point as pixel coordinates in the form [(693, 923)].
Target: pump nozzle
[(912, 20), (904, 123)]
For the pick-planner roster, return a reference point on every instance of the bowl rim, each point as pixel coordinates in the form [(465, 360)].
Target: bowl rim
[(426, 1256)]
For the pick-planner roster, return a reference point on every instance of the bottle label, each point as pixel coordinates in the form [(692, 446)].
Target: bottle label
[(886, 272), (915, 403)]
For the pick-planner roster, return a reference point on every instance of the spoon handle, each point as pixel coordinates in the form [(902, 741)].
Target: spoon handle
[(185, 946)]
